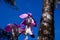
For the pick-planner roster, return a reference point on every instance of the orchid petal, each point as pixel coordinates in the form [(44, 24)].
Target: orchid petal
[(23, 16)]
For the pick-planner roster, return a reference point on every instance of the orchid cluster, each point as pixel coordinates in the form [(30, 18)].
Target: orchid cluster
[(16, 30)]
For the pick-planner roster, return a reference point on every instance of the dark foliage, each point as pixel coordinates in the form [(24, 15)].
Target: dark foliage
[(11, 2), (5, 35)]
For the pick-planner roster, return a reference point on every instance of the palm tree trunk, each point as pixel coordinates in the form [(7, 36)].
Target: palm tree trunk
[(46, 31)]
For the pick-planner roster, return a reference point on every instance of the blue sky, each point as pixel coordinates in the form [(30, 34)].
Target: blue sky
[(10, 15)]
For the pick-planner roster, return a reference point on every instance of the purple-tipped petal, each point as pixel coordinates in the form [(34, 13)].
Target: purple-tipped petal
[(29, 14), (22, 25), (23, 16), (33, 22), (8, 29), (17, 25)]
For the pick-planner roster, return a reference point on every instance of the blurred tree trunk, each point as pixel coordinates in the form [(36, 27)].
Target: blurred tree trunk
[(56, 3), (46, 31), (59, 0)]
